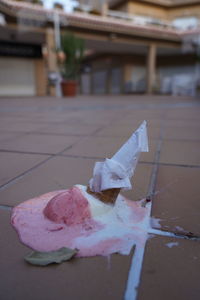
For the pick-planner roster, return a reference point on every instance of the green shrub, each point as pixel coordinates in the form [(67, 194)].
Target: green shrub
[(73, 47)]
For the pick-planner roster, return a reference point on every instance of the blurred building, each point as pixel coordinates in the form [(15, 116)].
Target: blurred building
[(158, 55), (132, 46)]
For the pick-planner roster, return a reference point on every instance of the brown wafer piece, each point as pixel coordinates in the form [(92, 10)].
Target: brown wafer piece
[(107, 196)]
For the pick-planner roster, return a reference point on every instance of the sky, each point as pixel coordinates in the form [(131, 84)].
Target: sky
[(68, 4)]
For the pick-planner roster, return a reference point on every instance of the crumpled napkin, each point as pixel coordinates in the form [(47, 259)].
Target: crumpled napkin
[(117, 171)]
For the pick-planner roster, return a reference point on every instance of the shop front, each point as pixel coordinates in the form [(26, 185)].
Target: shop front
[(22, 69)]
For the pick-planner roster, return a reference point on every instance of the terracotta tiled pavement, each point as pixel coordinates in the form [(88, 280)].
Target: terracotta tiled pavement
[(48, 144)]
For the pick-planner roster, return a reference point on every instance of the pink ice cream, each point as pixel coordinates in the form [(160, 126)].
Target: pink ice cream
[(74, 219), (69, 207)]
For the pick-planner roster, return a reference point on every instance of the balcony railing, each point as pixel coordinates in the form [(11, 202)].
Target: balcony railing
[(140, 20)]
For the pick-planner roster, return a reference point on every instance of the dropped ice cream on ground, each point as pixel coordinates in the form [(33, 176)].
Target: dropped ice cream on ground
[(102, 229), (77, 218)]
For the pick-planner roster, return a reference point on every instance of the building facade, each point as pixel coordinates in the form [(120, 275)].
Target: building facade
[(131, 46), (153, 64)]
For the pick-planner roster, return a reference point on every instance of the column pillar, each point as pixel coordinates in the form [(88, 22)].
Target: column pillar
[(151, 68), (51, 57), (40, 77), (104, 8)]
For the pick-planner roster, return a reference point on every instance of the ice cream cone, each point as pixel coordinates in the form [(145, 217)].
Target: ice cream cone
[(107, 196), (114, 174), (129, 153)]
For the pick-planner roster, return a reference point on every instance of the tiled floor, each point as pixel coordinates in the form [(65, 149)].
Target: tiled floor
[(77, 279), (170, 269), (48, 144)]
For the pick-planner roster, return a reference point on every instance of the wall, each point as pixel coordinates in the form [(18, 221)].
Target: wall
[(123, 7), (149, 10), (106, 75), (85, 83), (169, 71), (163, 13), (135, 77), (178, 80), (138, 78), (127, 72), (193, 10), (116, 80), (17, 77)]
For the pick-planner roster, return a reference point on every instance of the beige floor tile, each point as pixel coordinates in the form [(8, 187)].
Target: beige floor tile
[(127, 130), (180, 152), (96, 146), (134, 122), (57, 173), (40, 143), (182, 133), (74, 129), (106, 147), (177, 201), (91, 278), (184, 113), (103, 117), (140, 183), (170, 273), (140, 115), (117, 130), (9, 136), (188, 123), (20, 126), (14, 164)]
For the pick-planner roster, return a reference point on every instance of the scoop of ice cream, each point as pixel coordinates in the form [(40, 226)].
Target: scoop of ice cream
[(69, 207), (75, 219)]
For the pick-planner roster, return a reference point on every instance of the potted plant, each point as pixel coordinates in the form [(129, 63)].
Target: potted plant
[(73, 50)]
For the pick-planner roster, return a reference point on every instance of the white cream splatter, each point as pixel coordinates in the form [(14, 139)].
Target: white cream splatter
[(172, 244)]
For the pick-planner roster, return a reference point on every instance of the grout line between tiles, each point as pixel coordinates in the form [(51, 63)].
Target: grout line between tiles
[(152, 184), (180, 235), (61, 154), (179, 165), (138, 257), (5, 207), (182, 140), (151, 188), (136, 264), (58, 134), (169, 164), (17, 178), (25, 152)]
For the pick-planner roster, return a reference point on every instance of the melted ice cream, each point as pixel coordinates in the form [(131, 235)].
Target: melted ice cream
[(75, 219)]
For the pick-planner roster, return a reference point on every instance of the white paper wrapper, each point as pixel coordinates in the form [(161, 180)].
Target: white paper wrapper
[(117, 171)]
